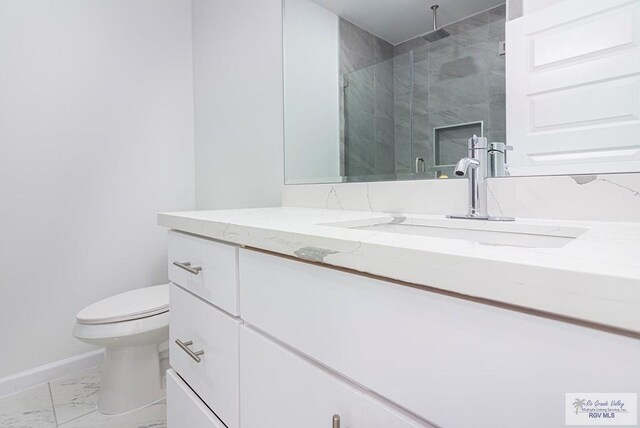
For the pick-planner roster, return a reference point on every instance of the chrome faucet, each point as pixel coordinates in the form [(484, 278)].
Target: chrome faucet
[(475, 168)]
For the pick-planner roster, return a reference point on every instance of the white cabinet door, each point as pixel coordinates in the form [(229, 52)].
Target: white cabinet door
[(573, 88), (185, 409), (279, 389), (378, 414), (445, 359), (215, 376)]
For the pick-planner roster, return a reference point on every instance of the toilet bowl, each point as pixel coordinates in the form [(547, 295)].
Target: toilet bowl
[(133, 327)]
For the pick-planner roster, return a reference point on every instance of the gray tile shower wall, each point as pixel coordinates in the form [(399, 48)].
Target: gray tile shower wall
[(515, 9), (394, 96), (367, 116), (402, 110), (456, 80)]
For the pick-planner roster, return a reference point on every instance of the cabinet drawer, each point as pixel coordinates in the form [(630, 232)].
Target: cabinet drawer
[(185, 409), (215, 277), (428, 352), (280, 389), (215, 376), (379, 414)]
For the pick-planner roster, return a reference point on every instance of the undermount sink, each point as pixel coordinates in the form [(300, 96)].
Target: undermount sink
[(483, 232)]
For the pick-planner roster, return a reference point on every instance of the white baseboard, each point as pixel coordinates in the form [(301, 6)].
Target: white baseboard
[(43, 374)]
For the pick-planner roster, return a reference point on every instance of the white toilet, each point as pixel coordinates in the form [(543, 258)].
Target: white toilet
[(133, 327)]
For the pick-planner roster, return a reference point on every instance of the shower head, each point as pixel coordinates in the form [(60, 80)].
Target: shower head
[(436, 34)]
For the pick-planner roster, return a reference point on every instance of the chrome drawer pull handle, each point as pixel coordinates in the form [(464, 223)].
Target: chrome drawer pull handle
[(336, 421), (187, 266), (185, 347)]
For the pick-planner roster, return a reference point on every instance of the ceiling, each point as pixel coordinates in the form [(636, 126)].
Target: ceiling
[(399, 20)]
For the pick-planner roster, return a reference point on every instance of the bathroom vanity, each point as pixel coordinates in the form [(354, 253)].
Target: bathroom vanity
[(294, 317), (318, 318)]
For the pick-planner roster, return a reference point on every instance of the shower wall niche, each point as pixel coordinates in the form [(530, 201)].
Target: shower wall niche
[(407, 110)]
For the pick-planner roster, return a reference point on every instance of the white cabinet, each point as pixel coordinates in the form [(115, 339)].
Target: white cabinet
[(201, 327), (378, 414), (313, 342), (206, 268), (445, 359), (280, 389), (185, 409)]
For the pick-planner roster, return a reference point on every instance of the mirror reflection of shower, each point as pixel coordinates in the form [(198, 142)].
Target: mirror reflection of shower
[(407, 110), (437, 33)]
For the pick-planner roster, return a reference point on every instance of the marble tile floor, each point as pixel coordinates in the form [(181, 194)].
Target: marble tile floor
[(70, 402)]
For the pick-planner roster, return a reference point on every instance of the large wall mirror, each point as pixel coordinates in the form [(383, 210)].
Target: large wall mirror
[(392, 90)]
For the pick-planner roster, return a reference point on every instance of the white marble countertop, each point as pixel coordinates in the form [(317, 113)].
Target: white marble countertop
[(595, 278)]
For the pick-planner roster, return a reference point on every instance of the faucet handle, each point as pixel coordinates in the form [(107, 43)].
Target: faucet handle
[(476, 142), (500, 147)]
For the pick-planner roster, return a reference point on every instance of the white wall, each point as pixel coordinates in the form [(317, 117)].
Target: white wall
[(311, 93), (530, 6), (96, 137), (237, 47)]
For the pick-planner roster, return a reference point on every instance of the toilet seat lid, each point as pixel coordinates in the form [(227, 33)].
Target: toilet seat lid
[(128, 306)]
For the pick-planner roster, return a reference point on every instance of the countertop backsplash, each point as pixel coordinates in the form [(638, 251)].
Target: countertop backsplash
[(604, 197)]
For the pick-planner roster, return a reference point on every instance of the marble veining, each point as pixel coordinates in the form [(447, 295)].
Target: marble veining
[(75, 395), (584, 179), (312, 254), (153, 416), (491, 198), (595, 277), (634, 192), (31, 408), (332, 197), (604, 197), (70, 402)]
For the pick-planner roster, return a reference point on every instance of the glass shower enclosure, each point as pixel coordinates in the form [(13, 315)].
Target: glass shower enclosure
[(410, 116)]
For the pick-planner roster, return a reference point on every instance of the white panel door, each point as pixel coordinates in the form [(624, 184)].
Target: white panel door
[(185, 409), (573, 88), (278, 389)]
